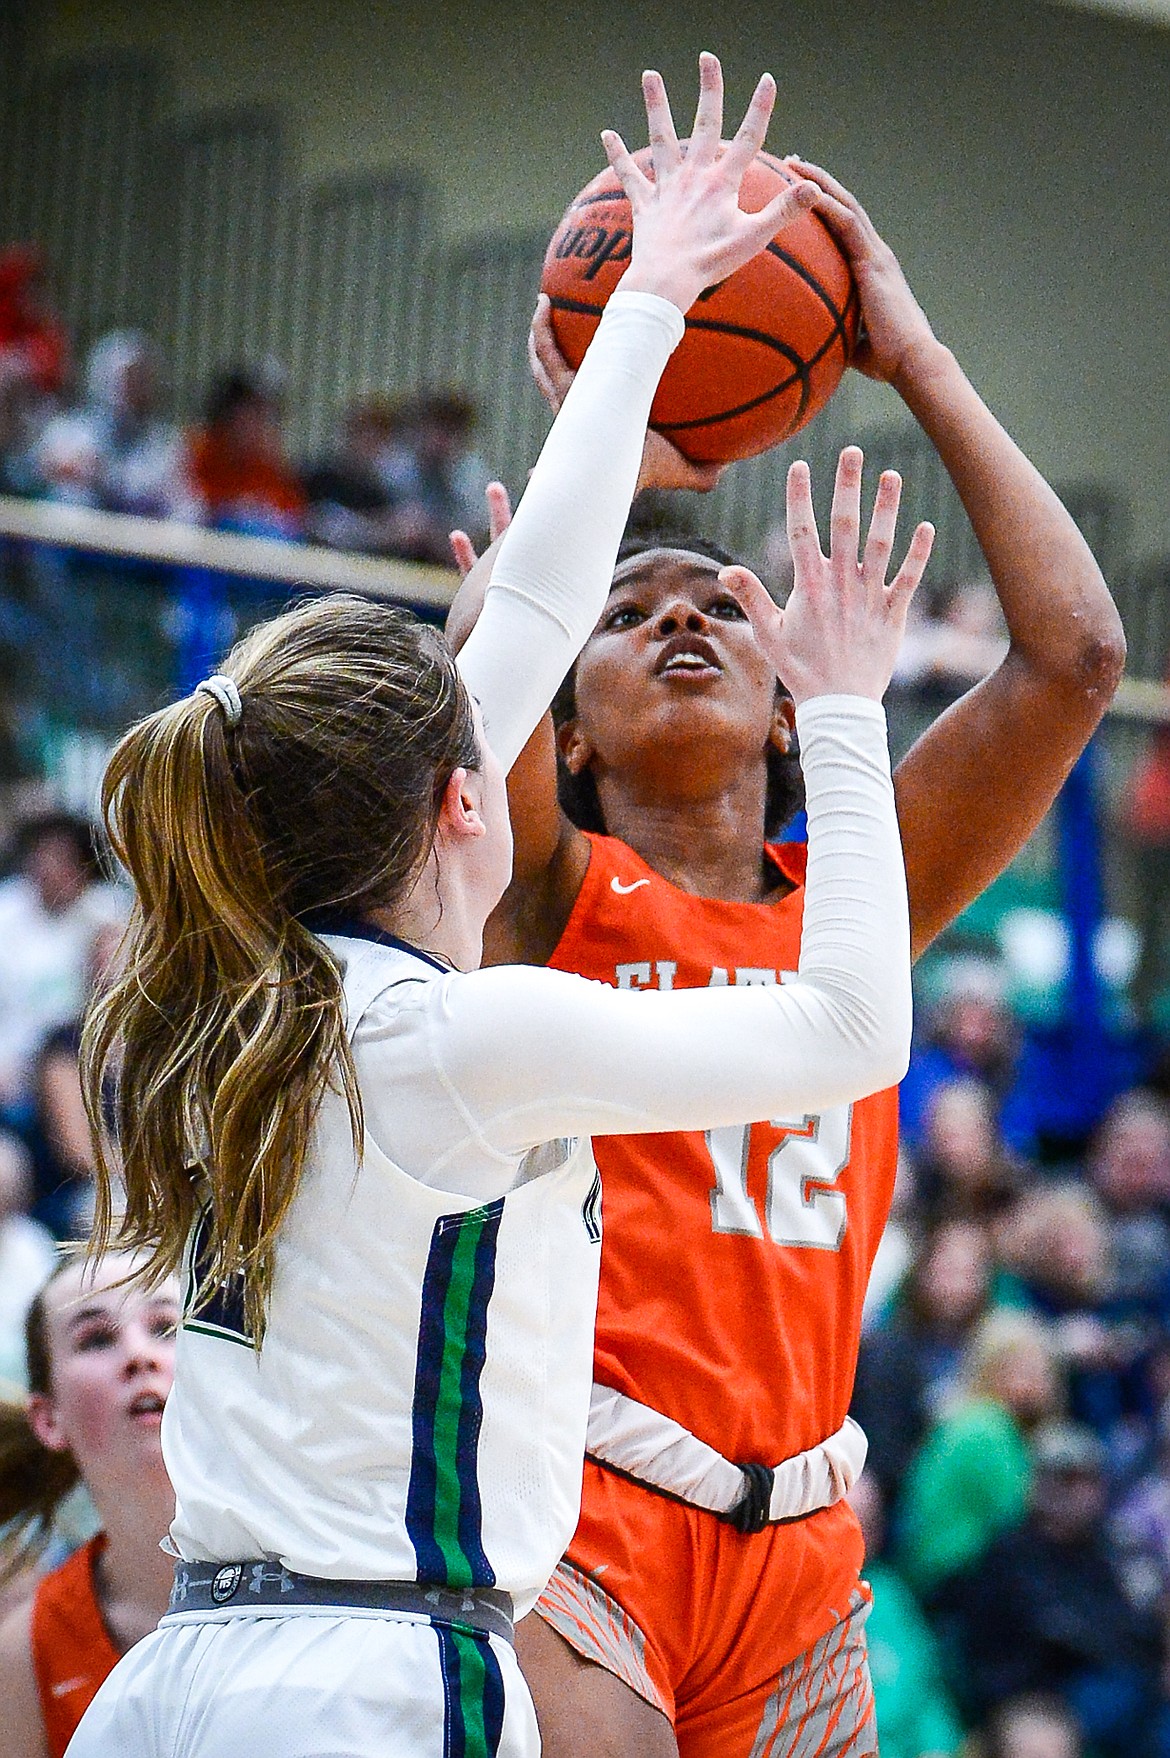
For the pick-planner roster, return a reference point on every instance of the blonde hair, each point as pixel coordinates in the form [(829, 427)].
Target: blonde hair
[(995, 1340), (226, 1024)]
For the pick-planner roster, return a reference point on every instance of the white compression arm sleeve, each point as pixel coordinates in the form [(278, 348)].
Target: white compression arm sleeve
[(555, 565), (533, 1054)]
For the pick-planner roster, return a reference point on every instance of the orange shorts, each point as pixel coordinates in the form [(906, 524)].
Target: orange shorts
[(714, 1628)]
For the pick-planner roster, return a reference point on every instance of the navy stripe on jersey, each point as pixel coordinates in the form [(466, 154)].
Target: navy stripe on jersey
[(473, 1693), (356, 928), (444, 1517)]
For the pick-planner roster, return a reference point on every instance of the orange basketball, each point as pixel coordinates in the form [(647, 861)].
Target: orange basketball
[(764, 350)]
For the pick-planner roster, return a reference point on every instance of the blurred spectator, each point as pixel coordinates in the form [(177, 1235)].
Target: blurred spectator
[(350, 502), (915, 1716), (1033, 1726), (63, 1156), (1046, 1610), (437, 483), (973, 1476), (1141, 1532), (1129, 1166), (51, 908), (239, 470), (34, 347), (970, 1033), (27, 1255), (909, 1370), (115, 453), (963, 1167), (1057, 1243), (1145, 822), (23, 414)]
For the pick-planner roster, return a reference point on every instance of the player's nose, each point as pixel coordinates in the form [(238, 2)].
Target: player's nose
[(144, 1350), (680, 614)]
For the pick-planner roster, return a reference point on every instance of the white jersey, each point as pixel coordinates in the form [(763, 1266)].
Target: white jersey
[(418, 1409)]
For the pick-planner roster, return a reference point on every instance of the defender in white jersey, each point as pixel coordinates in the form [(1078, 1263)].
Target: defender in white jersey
[(373, 1156)]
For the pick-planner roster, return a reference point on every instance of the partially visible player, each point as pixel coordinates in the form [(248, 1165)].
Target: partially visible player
[(373, 1156), (736, 1261), (100, 1365)]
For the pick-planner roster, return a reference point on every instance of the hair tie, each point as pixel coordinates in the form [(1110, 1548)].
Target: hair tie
[(226, 693)]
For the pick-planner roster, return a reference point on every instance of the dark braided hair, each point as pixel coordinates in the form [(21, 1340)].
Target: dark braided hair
[(578, 793)]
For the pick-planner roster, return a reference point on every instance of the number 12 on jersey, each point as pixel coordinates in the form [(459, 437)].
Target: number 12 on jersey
[(802, 1208)]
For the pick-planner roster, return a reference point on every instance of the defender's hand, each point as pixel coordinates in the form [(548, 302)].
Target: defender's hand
[(841, 629), (689, 229)]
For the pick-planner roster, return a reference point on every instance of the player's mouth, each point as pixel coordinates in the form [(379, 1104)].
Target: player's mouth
[(687, 656), (147, 1408)]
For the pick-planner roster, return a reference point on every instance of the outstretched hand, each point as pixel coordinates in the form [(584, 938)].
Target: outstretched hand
[(840, 631), (689, 229)]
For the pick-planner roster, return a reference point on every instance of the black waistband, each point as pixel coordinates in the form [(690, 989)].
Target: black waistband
[(214, 1587)]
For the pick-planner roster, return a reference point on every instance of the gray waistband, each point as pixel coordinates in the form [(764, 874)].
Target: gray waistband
[(216, 1587)]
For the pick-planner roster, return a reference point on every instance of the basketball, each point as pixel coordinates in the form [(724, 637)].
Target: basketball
[(763, 351)]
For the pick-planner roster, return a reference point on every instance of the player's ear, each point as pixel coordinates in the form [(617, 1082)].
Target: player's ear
[(783, 729), (576, 751), (43, 1419), (459, 808)]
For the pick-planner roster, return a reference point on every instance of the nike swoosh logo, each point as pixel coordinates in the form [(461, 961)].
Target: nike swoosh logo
[(624, 890), (63, 1688)]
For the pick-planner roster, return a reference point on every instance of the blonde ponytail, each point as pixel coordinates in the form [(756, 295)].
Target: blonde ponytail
[(227, 1025)]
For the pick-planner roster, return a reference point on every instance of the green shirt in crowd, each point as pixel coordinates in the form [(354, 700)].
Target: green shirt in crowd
[(970, 1481)]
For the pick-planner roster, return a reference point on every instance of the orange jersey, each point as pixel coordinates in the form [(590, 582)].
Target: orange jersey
[(735, 1262), (71, 1648)]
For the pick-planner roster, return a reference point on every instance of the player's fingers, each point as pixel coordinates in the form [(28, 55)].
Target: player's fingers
[(707, 134), (758, 604), (797, 199), (463, 550), (910, 573), (499, 509), (540, 376), (879, 540), (664, 147), (752, 130), (832, 187), (635, 184), (844, 224), (550, 369), (845, 520), (803, 538)]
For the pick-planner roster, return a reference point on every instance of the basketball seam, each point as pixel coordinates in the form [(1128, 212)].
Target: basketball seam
[(802, 369)]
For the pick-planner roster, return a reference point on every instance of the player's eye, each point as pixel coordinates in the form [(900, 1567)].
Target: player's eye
[(727, 608), (624, 616), (95, 1337)]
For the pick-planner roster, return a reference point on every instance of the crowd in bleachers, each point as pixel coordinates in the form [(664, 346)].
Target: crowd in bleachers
[(1015, 1370), (1014, 1382), (398, 477)]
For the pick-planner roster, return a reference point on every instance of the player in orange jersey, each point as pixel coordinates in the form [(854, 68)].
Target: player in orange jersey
[(100, 1360), (691, 1615)]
